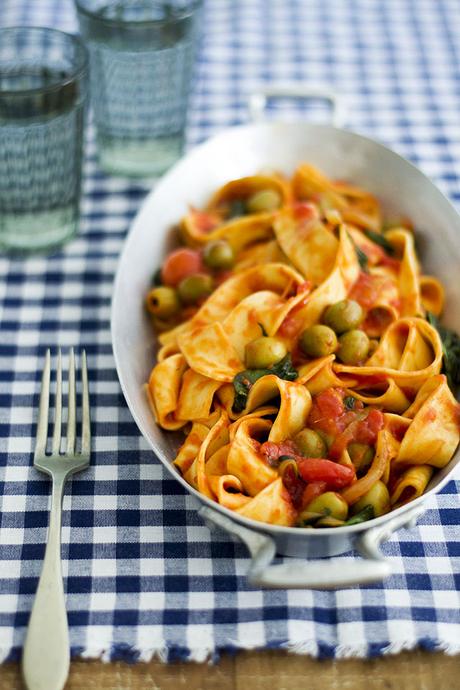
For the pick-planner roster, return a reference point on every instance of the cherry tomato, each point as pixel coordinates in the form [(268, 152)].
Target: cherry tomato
[(360, 430), (205, 222), (273, 451), (294, 485), (318, 470), (305, 210), (370, 426), (328, 411), (180, 264), (312, 491)]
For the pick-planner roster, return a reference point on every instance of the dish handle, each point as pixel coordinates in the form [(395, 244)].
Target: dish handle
[(316, 574), (258, 100)]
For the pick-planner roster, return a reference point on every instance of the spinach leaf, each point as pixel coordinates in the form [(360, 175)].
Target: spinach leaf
[(349, 402), (367, 513), (361, 256), (381, 240), (243, 382), (309, 519), (237, 209), (156, 278), (261, 326), (451, 351), (284, 369)]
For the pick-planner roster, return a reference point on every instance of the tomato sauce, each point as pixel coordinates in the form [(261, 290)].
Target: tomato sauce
[(377, 321), (390, 262), (316, 475), (290, 326), (305, 210), (312, 491), (365, 290), (330, 415), (204, 222), (273, 451), (293, 322), (295, 486)]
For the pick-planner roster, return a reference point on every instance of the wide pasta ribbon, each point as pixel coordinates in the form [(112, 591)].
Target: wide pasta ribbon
[(409, 272), (216, 439), (277, 278), (217, 350), (433, 435), (306, 241), (334, 288), (292, 410), (163, 390), (384, 453), (196, 396), (409, 353), (411, 484), (273, 505), (244, 460), (199, 227), (356, 205), (259, 254), (244, 187)]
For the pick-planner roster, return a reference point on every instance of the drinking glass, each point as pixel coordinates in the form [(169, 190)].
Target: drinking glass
[(141, 58), (43, 88)]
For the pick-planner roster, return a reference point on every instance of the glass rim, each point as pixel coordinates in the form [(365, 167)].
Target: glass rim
[(133, 24), (81, 66)]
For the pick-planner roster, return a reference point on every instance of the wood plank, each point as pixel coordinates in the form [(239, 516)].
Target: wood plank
[(96, 675), (415, 670), (272, 670)]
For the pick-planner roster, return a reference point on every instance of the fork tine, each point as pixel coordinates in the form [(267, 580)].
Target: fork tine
[(42, 423), (85, 425), (70, 449), (58, 408)]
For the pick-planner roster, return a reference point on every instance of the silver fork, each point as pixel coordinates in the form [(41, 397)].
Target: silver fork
[(46, 655)]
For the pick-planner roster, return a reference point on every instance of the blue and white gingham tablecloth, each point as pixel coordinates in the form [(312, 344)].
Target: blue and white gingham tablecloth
[(143, 575)]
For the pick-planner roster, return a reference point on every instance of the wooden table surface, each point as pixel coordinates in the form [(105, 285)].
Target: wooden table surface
[(271, 670)]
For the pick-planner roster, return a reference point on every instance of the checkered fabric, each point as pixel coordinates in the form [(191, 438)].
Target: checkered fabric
[(143, 575)]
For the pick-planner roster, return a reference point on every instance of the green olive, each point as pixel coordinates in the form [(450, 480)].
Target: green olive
[(218, 254), (343, 316), (327, 438), (308, 519), (331, 504), (288, 465), (263, 352), (361, 456), (377, 497), (353, 347), (263, 200), (373, 345), (163, 302), (329, 521), (318, 341), (310, 444), (195, 287)]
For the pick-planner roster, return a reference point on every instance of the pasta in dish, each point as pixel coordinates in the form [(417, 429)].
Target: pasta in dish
[(301, 353)]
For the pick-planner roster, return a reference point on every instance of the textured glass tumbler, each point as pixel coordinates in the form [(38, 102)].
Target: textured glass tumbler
[(141, 61), (43, 89)]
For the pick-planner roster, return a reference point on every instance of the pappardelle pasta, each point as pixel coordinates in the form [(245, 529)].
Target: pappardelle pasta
[(301, 353)]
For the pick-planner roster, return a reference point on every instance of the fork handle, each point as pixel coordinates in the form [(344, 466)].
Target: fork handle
[(46, 655)]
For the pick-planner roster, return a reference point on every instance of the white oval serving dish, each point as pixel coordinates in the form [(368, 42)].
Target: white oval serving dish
[(233, 153)]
